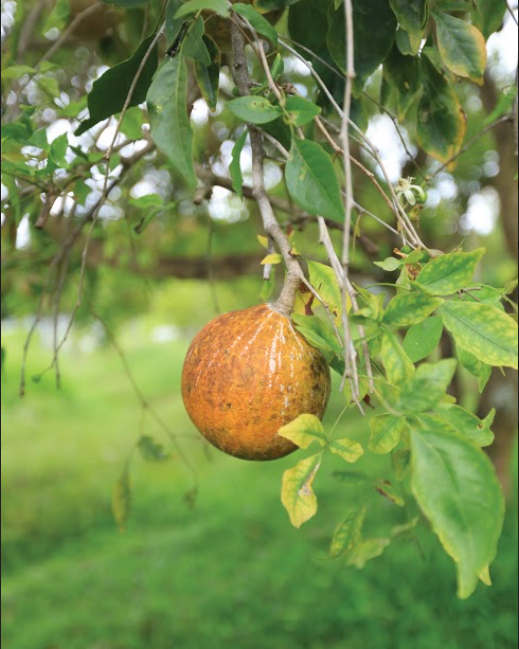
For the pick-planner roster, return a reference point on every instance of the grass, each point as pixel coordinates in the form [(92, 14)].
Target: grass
[(231, 572)]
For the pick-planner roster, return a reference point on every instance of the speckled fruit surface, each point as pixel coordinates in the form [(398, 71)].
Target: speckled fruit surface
[(219, 28), (247, 374)]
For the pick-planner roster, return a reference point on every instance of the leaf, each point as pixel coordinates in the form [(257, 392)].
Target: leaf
[(387, 490), (422, 339), (148, 201), (302, 111), (304, 431), (110, 91), (17, 71), (410, 308), (369, 52), (349, 533), (297, 494), (504, 105), (128, 4), (173, 25), (349, 450), (319, 334), (235, 166), (390, 264), (194, 46), (272, 5), (312, 180), (122, 499), (170, 124), (411, 14), (487, 333), (426, 388), (404, 74), (442, 123), (456, 486), (467, 424), (254, 110), (368, 550), (353, 478), (274, 259), (448, 274), (220, 7), (258, 22), (386, 432), (399, 366), (151, 450), (477, 368), (488, 16), (325, 282), (462, 46)]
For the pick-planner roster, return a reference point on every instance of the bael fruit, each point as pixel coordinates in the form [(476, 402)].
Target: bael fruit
[(247, 374), (219, 29)]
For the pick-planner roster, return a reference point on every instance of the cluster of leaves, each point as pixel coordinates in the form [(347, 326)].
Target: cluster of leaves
[(436, 445)]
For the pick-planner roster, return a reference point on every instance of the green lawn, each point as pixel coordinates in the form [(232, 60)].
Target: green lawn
[(231, 572)]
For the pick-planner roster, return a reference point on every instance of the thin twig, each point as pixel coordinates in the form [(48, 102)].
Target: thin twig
[(511, 11)]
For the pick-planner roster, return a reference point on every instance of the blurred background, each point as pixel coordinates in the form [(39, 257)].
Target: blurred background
[(229, 569)]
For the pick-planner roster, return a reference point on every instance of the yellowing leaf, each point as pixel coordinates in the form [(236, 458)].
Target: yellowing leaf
[(263, 241), (386, 432), (273, 259), (349, 450), (348, 534), (449, 274), (297, 494), (303, 431), (399, 366)]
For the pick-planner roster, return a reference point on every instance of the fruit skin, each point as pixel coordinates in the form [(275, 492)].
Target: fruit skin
[(247, 374), (219, 29)]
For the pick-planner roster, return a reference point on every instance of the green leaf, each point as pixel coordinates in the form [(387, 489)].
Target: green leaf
[(173, 25), (17, 71), (462, 47), (488, 15), (302, 111), (49, 85), (389, 491), (467, 424), (448, 274), (147, 202), (325, 282), (110, 91), (319, 334), (487, 333), (304, 431), (151, 450), (477, 368), (258, 22), (456, 487), (308, 23), (272, 5), (220, 7), (504, 105), (353, 478), (442, 123), (349, 533), (399, 366), (422, 339), (367, 550), (386, 432), (404, 74), (297, 494), (411, 14), (349, 450), (128, 4), (208, 76), (194, 46), (369, 52), (312, 180), (427, 387), (122, 499), (235, 166), (170, 125), (409, 308), (254, 110), (390, 264)]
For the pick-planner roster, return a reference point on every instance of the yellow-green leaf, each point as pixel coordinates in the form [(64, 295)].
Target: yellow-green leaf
[(456, 486), (386, 432), (450, 273), (409, 308), (462, 47), (425, 390), (477, 368), (348, 534), (349, 450), (304, 431), (273, 259), (325, 282), (487, 333), (399, 366), (297, 494)]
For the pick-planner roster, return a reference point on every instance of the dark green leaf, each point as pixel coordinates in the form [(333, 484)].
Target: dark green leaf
[(488, 16), (403, 74), (208, 76), (194, 46), (127, 4), (426, 389), (484, 331), (456, 486), (312, 180), (220, 7), (448, 274), (235, 166), (272, 5), (173, 25), (411, 14), (422, 339), (258, 22), (441, 120), (170, 125), (110, 91)]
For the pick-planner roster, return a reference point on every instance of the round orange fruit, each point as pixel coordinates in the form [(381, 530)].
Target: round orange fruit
[(247, 374)]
